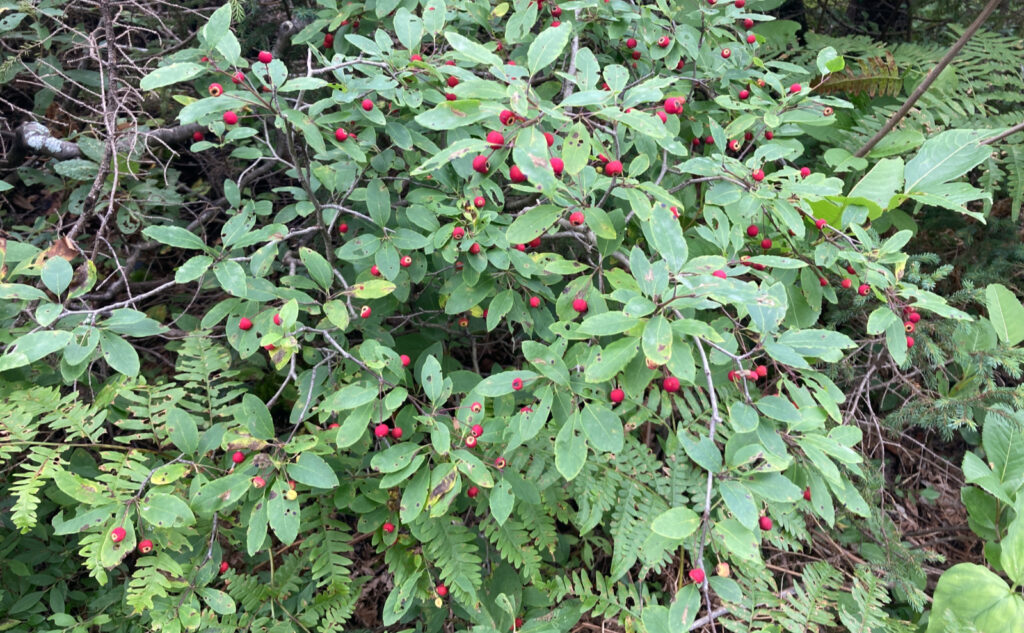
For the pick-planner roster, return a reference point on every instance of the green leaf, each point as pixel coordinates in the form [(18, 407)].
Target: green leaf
[(220, 494), (612, 359), (256, 417), (119, 354), (33, 346), (182, 430), (378, 201), (977, 596), (1011, 555), (318, 267), (547, 46), (1003, 440), (472, 51), (667, 237), (738, 540), (946, 156), (431, 379), (231, 277), (533, 223), (174, 236), (372, 289), (166, 511), (408, 28), (193, 268), (56, 275), (171, 74), (602, 427), (880, 319), (313, 471), (606, 323), (217, 26), (676, 523), (531, 154), (1006, 313), (570, 449), (880, 184), (283, 515), (501, 501), (576, 149), (218, 601), (414, 498), (337, 314), (657, 340), (458, 149), (740, 502), (703, 452), (823, 344)]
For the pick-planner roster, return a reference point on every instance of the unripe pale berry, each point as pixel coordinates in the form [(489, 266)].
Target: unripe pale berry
[(471, 441)]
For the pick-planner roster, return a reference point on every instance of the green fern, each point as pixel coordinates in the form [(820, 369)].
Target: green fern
[(450, 546), (811, 605)]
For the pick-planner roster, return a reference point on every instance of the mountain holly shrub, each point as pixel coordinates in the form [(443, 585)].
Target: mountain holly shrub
[(491, 315)]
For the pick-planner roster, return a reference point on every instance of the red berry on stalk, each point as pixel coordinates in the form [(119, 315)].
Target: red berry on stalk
[(557, 165), (751, 38), (820, 223), (846, 283), (244, 324), (405, 360), (673, 105), (556, 11), (535, 242), (534, 302), (726, 53), (752, 230), (720, 274), (405, 262), (265, 57), (117, 534), (388, 527), (805, 172), (696, 575), (197, 136), (914, 317), (381, 430), (744, 94), (617, 395), (863, 290), (479, 202), (238, 457), (224, 567), (765, 523), (452, 81), (340, 134), (474, 249), (576, 218), (740, 4), (215, 90), (458, 232), (807, 493), (794, 89), (374, 270), (471, 441), (472, 492), (517, 384), (328, 40), (480, 164), (661, 115), (416, 57), (442, 590), (496, 139), (766, 243), (631, 43), (549, 138), (670, 384), (613, 168), (506, 117), (769, 135), (277, 319), (748, 23), (145, 546), (910, 341), (579, 305), (396, 433), (555, 24), (499, 463), (367, 104), (757, 175), (258, 482), (664, 41), (477, 430), (823, 281), (450, 96), (761, 371), (238, 77), (515, 174), (230, 118)]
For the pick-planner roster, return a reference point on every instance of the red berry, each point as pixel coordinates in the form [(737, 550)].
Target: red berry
[(557, 165), (751, 38), (277, 319), (416, 57), (914, 317), (805, 172), (145, 546), (238, 457), (238, 77), (534, 302), (388, 527), (244, 324), (795, 88), (396, 433), (673, 105), (496, 139), (577, 218), (863, 290), (458, 232), (479, 202), (265, 57), (613, 168), (506, 117), (480, 164), (769, 135), (761, 371), (720, 274), (230, 118), (520, 247), (849, 269), (197, 136), (807, 493), (405, 262), (696, 575), (631, 43), (549, 138), (744, 94), (636, 54), (579, 305), (476, 407), (117, 534), (499, 463), (820, 223), (664, 41), (450, 96), (556, 11), (846, 283), (474, 249), (516, 175), (617, 395), (910, 341), (374, 270), (453, 81), (215, 89), (740, 3), (823, 281), (367, 104), (517, 384), (726, 53), (765, 523), (442, 590), (734, 145), (472, 492), (766, 243), (328, 40), (748, 23), (381, 430), (758, 175), (405, 360), (752, 230), (340, 134), (670, 384), (471, 441), (477, 430), (258, 482), (661, 115), (224, 567)]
